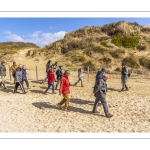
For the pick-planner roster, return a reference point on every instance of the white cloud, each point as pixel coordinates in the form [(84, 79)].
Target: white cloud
[(13, 37), (37, 37)]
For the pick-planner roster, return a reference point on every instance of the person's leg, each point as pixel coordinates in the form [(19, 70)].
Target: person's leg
[(49, 85), (27, 83), (125, 82), (16, 87), (22, 87), (81, 82), (66, 97), (77, 81), (58, 82), (52, 84), (95, 105), (3, 82), (105, 107), (61, 103)]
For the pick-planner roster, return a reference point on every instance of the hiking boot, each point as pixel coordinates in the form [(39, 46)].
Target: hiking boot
[(95, 111), (58, 106), (127, 89), (109, 115)]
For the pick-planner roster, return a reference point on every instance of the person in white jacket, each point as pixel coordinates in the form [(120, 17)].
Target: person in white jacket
[(80, 75)]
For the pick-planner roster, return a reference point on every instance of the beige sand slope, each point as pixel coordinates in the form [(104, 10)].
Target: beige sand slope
[(36, 112)]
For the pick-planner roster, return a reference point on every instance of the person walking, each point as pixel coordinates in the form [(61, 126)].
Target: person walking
[(51, 79), (48, 65), (80, 75), (124, 77), (100, 73), (65, 90), (24, 76), (18, 79), (3, 73), (12, 70), (59, 76), (100, 94)]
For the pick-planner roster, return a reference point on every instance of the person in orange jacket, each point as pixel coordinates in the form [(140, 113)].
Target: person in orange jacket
[(65, 90)]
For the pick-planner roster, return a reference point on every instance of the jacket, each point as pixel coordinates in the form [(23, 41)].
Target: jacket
[(80, 74), (64, 85), (18, 74), (123, 75), (24, 74), (13, 68), (100, 88), (59, 74), (2, 70), (51, 77)]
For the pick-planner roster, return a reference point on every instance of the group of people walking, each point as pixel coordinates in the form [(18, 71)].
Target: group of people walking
[(62, 82), (18, 73)]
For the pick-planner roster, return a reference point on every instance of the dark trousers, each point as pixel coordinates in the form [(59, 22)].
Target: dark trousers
[(26, 81), (21, 86), (124, 83), (104, 103)]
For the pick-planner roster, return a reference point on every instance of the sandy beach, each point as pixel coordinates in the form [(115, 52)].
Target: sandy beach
[(37, 112)]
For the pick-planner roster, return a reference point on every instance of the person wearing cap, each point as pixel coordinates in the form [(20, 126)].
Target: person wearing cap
[(124, 77), (80, 75), (3, 73), (58, 76), (65, 90), (12, 70), (100, 94)]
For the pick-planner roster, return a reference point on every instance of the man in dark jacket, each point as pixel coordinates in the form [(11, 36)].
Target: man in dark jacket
[(18, 79), (3, 73), (124, 77), (100, 94), (59, 76), (48, 66), (24, 76)]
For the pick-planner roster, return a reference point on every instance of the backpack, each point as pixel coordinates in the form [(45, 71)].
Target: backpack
[(99, 74), (129, 73)]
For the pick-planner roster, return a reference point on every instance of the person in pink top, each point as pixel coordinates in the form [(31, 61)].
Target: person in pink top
[(51, 79)]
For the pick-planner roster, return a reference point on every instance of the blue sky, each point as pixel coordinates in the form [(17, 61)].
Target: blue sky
[(43, 31)]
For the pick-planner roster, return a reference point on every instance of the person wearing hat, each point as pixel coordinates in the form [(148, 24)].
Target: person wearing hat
[(80, 75), (3, 73), (100, 94), (124, 77), (12, 70), (58, 76), (65, 90)]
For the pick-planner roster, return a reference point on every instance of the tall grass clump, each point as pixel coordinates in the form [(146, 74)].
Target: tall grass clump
[(126, 41)]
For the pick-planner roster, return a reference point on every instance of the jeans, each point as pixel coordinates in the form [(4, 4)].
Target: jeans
[(124, 85), (104, 103), (49, 85)]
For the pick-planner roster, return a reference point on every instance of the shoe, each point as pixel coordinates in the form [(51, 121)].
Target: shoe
[(95, 111), (127, 89), (65, 109), (121, 90), (109, 115), (58, 106)]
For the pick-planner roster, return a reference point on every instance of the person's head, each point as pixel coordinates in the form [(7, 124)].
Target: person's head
[(56, 63), (14, 63), (103, 70), (50, 69), (123, 65), (3, 62), (67, 73), (60, 67), (20, 66), (105, 76), (49, 61), (23, 66)]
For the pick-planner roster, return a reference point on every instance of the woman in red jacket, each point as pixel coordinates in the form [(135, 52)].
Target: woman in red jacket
[(51, 79), (65, 90)]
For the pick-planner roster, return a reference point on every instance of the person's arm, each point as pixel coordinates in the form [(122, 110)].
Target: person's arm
[(61, 86)]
